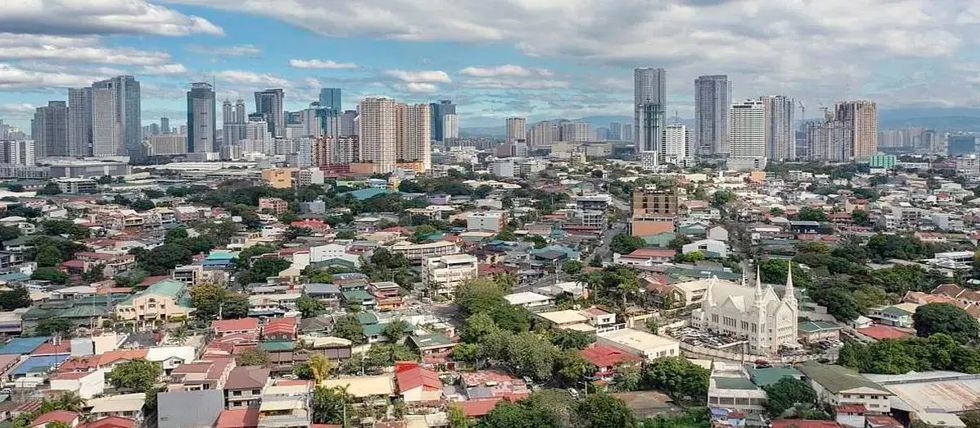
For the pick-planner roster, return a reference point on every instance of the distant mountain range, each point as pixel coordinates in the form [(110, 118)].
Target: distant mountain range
[(938, 118)]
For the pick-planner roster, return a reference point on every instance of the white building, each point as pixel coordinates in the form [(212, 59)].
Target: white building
[(378, 133), (640, 343), (675, 143), (708, 247), (486, 221), (757, 314), (747, 134), (516, 128), (441, 275), (414, 136), (450, 126)]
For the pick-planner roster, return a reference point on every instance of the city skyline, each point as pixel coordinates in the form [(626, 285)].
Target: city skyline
[(490, 72)]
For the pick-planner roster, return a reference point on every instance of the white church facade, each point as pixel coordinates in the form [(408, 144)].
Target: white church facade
[(754, 313)]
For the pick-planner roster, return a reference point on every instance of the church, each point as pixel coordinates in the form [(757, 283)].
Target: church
[(756, 314)]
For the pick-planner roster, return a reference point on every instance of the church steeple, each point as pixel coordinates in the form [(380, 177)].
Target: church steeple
[(790, 296), (759, 293)]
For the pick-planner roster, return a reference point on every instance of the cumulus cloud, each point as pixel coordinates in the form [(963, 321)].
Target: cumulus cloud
[(321, 64), (427, 76), (250, 78), (421, 88), (231, 50), (508, 70), (12, 77), (165, 69), (790, 46), (73, 49), (100, 17)]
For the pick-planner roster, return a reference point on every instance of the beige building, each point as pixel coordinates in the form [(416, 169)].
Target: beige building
[(861, 117), (278, 178), (414, 134), (163, 301), (640, 343), (378, 133), (419, 252)]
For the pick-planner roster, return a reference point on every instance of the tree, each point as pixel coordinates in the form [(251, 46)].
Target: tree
[(16, 297), (142, 205), (479, 295), (572, 339), (137, 375), (53, 326), (602, 410), (9, 232), (254, 357), (207, 299), (786, 393), (329, 405), (861, 218), (722, 197), (624, 243), (572, 368), (161, 260), (50, 189), (235, 306), (627, 376), (572, 267), (811, 214), (396, 330), (945, 318), (320, 367), (64, 227), (350, 328), (48, 256), (263, 268), (531, 355), (678, 377), (457, 417), (467, 352), (302, 371), (68, 400), (309, 306), (50, 274), (244, 260), (477, 326)]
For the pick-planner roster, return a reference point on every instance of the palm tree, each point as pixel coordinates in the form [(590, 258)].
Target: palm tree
[(179, 335), (320, 366)]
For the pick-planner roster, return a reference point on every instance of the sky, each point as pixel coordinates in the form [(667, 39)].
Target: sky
[(494, 58)]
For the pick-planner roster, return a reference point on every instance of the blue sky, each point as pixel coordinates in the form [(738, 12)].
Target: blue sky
[(535, 58)]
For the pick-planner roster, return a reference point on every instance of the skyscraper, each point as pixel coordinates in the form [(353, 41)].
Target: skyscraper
[(270, 103), (516, 128), (165, 125), (576, 131), (450, 127), (544, 133), (748, 132), (675, 143), (780, 134), (348, 123), (414, 136), (50, 129), (862, 118), (378, 133), (233, 118), (438, 112), (712, 103), (649, 104), (330, 98), (79, 121), (122, 95), (616, 131), (201, 131)]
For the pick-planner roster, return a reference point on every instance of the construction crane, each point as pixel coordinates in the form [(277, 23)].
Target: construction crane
[(802, 111)]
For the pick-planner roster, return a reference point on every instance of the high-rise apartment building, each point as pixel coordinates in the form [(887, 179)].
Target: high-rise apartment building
[(378, 132), (649, 107), (17, 152), (414, 135), (516, 128), (201, 131), (616, 131), (438, 112), (165, 125), (862, 118), (330, 98), (712, 103), (450, 127), (107, 139), (576, 131), (675, 143), (747, 133), (348, 122), (335, 150), (780, 133), (544, 133), (49, 129), (270, 104), (79, 121), (233, 118)]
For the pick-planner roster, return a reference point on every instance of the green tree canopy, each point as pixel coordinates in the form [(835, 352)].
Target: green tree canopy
[(136, 375), (624, 243), (787, 393), (945, 318)]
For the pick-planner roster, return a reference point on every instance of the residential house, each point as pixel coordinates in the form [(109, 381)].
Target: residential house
[(163, 301), (244, 387), (836, 385)]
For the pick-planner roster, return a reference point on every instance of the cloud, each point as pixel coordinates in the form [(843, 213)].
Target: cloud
[(421, 88), (69, 17), (508, 70), (165, 69), (19, 110), (321, 64), (264, 80), (12, 77), (826, 49), (73, 49), (231, 50), (430, 76)]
